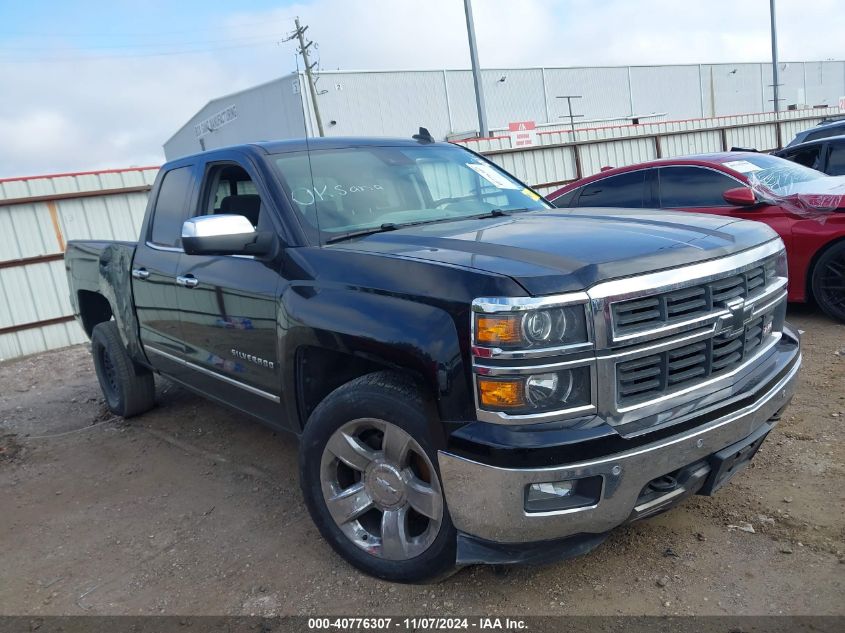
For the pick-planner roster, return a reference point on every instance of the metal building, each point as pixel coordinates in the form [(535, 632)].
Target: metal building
[(393, 103)]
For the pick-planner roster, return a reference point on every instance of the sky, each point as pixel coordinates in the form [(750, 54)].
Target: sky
[(91, 84)]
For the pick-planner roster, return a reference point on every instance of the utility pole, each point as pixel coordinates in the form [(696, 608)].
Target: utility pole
[(775, 73), (303, 50), (571, 116), (476, 73)]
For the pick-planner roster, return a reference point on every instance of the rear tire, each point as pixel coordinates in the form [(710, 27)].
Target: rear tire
[(366, 451), (128, 389), (828, 282)]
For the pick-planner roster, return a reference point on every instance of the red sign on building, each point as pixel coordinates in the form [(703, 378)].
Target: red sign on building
[(522, 133)]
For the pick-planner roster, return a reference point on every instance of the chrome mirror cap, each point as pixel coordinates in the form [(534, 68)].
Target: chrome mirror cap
[(217, 225)]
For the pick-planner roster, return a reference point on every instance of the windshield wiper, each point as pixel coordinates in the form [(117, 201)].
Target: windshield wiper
[(387, 226), (500, 213), (390, 226)]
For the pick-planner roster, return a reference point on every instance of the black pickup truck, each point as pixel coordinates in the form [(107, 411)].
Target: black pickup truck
[(474, 376)]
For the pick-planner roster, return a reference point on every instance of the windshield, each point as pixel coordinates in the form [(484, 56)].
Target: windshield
[(778, 175), (368, 188)]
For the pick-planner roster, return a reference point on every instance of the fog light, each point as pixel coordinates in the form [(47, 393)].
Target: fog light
[(553, 489), (563, 495), (501, 394)]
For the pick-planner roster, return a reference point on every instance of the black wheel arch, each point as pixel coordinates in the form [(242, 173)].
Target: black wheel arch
[(342, 334), (94, 309)]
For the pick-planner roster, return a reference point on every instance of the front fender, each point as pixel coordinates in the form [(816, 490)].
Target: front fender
[(393, 331)]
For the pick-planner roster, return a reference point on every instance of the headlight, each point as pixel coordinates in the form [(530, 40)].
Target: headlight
[(535, 393), (781, 265), (547, 327)]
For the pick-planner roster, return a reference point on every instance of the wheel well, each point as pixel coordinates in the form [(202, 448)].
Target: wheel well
[(812, 267), (320, 371), (93, 309)]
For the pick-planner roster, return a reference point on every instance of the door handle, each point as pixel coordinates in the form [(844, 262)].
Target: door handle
[(140, 273), (188, 281)]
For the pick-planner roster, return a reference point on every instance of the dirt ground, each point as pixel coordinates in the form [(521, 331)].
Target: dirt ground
[(192, 509)]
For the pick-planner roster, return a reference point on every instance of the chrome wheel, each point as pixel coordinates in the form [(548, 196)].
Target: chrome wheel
[(381, 489)]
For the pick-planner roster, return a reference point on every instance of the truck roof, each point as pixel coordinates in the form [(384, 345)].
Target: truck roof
[(301, 144)]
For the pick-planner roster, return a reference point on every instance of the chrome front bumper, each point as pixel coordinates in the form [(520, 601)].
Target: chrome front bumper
[(488, 501)]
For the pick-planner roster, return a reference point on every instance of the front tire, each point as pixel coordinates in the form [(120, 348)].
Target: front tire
[(370, 481), (829, 282), (128, 390)]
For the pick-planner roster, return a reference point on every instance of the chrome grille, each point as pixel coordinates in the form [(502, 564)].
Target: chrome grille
[(651, 376), (636, 315)]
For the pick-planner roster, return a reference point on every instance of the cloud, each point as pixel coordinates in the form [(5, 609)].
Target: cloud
[(81, 114)]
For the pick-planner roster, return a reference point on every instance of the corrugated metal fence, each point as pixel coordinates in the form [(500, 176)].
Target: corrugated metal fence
[(37, 217), (558, 159)]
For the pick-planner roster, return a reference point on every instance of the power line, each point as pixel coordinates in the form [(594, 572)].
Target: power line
[(4, 47), (155, 33), (72, 58)]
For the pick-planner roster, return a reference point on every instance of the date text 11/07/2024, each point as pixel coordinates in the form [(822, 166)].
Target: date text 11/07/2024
[(417, 623)]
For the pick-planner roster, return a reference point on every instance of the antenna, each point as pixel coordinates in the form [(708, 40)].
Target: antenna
[(308, 154), (423, 136)]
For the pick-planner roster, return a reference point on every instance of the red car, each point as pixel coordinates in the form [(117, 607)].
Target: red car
[(805, 207)]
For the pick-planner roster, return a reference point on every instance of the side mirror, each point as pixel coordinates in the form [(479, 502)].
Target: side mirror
[(225, 234), (741, 197)]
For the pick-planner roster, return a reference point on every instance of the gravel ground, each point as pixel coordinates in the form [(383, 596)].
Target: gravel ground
[(193, 509)]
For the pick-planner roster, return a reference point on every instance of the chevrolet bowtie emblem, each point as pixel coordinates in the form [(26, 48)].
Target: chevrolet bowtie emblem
[(734, 322)]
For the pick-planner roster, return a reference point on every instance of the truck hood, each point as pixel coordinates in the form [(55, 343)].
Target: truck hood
[(566, 250)]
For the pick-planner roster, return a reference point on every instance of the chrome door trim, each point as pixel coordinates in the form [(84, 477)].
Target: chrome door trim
[(213, 374), (169, 249)]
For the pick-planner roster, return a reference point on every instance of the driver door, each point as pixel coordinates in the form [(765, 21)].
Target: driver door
[(228, 303)]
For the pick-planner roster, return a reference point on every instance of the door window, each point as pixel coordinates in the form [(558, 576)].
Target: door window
[(623, 190), (807, 156), (565, 199), (836, 159), (693, 187), (171, 208), (229, 189)]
